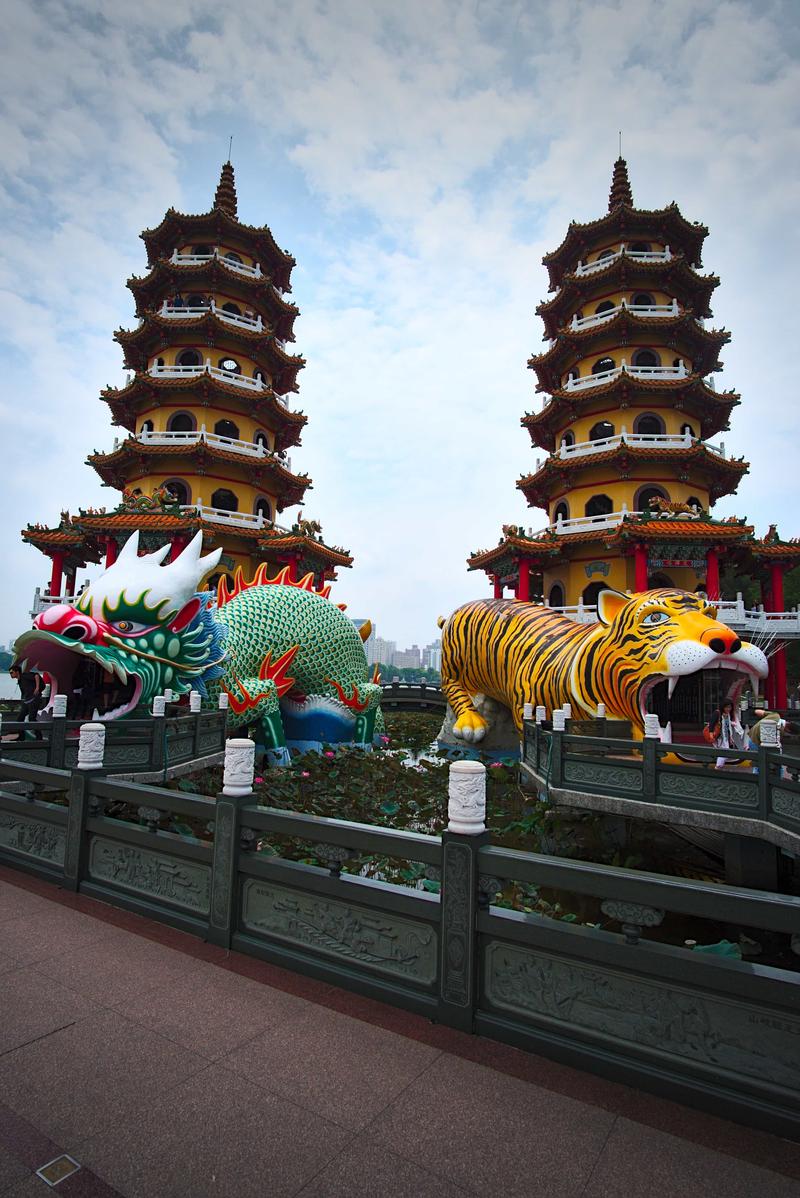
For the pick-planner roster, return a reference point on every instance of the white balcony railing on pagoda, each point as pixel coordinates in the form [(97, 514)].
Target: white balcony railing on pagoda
[(249, 449), (227, 376), (657, 310), (642, 372), (588, 268), (218, 515), (42, 599), (585, 523), (198, 259), (652, 440), (192, 311)]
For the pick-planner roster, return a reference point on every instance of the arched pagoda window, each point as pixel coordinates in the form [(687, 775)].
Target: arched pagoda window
[(202, 251), (603, 364), (181, 422), (234, 309), (599, 505), (640, 247), (606, 253), (693, 501), (231, 365), (147, 426), (195, 300), (261, 439), (605, 306), (262, 508), (648, 425), (601, 430), (568, 438), (687, 429), (179, 490), (556, 596), (591, 593), (189, 357), (660, 580), (646, 495), (643, 299), (646, 357), (225, 500), (561, 511), (226, 428), (233, 257)]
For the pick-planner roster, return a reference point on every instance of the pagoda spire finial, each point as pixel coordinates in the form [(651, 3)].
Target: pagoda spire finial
[(620, 186), (225, 197)]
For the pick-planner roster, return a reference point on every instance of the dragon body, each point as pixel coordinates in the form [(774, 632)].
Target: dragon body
[(289, 660)]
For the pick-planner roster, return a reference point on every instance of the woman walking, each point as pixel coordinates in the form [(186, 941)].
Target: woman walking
[(727, 730)]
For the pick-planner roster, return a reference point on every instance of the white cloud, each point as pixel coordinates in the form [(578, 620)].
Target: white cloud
[(417, 161)]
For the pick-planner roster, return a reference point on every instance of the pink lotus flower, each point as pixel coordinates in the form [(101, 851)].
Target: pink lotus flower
[(329, 753), (496, 765), (258, 779), (305, 774)]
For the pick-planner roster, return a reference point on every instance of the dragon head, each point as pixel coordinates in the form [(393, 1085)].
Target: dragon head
[(646, 643), (137, 629)]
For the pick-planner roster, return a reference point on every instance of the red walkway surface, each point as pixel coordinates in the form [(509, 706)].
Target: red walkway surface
[(165, 1066)]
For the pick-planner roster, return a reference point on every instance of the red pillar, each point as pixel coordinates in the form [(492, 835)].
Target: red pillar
[(55, 577), (776, 586), (176, 548), (293, 569), (498, 588), (640, 568), (778, 675), (524, 584), (111, 551), (712, 574)]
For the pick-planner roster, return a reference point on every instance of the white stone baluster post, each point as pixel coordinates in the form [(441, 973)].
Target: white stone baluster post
[(159, 706), (91, 746), (236, 793), (461, 844), (541, 714), (195, 701), (223, 702), (91, 749)]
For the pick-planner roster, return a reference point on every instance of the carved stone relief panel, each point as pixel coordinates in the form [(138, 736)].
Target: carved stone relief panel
[(177, 881)]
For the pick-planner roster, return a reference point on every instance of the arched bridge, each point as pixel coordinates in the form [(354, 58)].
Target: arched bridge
[(412, 696)]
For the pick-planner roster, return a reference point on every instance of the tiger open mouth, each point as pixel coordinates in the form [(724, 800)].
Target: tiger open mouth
[(656, 694), (110, 690)]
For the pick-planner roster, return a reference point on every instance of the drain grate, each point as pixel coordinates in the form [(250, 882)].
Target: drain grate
[(58, 1170)]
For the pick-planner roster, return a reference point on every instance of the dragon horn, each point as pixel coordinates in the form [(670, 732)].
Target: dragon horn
[(131, 547), (190, 558), (157, 557)]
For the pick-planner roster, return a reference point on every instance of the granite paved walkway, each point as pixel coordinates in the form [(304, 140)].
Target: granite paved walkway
[(167, 1067)]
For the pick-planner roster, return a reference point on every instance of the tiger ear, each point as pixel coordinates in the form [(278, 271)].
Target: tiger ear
[(610, 604)]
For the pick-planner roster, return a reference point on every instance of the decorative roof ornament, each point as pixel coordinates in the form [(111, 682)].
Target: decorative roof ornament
[(225, 197), (620, 186)]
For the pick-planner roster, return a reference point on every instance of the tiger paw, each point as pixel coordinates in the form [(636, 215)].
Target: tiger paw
[(470, 726)]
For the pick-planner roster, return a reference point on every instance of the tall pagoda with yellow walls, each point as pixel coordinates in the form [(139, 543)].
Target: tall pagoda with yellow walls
[(630, 426), (208, 410)]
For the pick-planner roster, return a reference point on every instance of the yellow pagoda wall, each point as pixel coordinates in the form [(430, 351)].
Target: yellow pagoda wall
[(624, 491), (617, 295), (169, 356), (202, 486), (673, 421), (223, 248), (614, 245), (573, 576)]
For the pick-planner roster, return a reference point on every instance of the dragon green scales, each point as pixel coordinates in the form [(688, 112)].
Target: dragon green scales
[(288, 659)]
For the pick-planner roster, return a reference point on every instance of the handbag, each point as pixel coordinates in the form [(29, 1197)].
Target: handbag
[(710, 735)]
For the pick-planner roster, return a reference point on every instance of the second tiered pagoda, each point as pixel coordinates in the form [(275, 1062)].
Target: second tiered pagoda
[(631, 474), (208, 408)]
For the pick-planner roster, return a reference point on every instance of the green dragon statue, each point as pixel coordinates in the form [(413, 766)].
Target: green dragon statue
[(289, 660)]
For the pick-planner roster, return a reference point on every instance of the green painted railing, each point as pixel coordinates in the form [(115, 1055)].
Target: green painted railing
[(722, 1034), (758, 784)]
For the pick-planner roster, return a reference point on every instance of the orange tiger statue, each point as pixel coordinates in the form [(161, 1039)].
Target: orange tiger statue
[(521, 653)]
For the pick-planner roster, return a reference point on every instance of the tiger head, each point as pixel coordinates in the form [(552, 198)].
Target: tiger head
[(658, 636)]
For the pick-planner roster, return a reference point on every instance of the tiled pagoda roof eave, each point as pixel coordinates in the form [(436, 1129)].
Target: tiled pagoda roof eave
[(165, 274), (143, 382), (131, 450), (694, 387), (574, 464), (570, 341), (216, 220), (149, 336), (627, 532), (631, 221)]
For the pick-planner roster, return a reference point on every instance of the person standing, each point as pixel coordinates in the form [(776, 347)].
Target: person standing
[(729, 731), (30, 690)]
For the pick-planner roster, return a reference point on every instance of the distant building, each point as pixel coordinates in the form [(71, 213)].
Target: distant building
[(380, 652), (432, 656), (408, 659)]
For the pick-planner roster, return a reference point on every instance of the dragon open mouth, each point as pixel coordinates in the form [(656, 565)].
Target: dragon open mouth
[(661, 692), (105, 689)]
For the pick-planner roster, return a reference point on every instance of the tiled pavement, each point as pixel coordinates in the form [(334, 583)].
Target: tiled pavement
[(167, 1067)]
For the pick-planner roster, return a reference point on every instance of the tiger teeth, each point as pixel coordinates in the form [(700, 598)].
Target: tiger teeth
[(673, 682)]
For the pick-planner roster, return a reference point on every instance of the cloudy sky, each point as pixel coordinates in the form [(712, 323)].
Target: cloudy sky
[(417, 160)]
